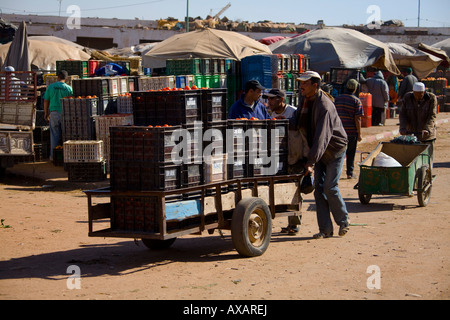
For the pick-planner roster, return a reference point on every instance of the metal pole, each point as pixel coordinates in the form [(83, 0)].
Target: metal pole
[(418, 17), (187, 16)]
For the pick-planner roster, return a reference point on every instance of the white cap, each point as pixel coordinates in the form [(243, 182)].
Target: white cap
[(419, 87), (9, 68), (308, 75)]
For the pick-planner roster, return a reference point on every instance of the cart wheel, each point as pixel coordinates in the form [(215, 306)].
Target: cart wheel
[(251, 227), (156, 244), (424, 185), (364, 198)]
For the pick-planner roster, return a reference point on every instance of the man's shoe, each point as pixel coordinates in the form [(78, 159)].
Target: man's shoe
[(322, 235), (343, 229), (290, 230)]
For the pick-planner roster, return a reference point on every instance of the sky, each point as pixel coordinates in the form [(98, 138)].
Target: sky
[(433, 13)]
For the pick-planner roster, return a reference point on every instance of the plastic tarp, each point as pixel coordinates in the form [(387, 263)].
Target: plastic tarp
[(17, 54), (443, 45), (440, 49), (204, 43), (421, 62), (338, 47), (44, 54), (133, 51), (270, 40)]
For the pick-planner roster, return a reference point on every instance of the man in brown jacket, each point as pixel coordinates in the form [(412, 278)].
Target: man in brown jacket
[(318, 119), (418, 115)]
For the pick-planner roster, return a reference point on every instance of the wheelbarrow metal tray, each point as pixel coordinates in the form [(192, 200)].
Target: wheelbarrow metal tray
[(393, 180)]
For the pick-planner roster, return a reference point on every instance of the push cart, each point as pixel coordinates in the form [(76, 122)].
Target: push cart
[(414, 174), (246, 206)]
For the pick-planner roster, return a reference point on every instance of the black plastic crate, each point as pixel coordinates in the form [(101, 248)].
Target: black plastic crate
[(107, 105), (192, 175), (215, 136), (238, 168), (131, 213), (76, 118), (236, 133), (98, 86), (41, 134), (278, 129), (166, 107), (58, 157), (86, 171), (73, 67), (214, 104), (182, 107), (257, 135), (255, 164), (138, 143), (143, 176)]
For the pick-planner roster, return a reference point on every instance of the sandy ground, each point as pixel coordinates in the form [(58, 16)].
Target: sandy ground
[(394, 250)]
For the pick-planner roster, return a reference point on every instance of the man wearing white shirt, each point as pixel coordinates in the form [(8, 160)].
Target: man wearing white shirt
[(277, 104), (281, 110)]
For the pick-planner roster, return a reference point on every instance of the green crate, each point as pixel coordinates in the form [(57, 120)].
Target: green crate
[(73, 67), (183, 66)]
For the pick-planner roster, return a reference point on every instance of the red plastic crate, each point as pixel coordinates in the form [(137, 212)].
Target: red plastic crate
[(18, 86)]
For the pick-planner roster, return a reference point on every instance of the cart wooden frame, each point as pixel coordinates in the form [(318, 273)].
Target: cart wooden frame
[(246, 206)]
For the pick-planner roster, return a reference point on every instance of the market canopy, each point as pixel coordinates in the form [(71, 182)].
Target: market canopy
[(204, 43), (443, 45), (421, 62), (338, 47), (17, 54), (440, 49), (43, 54)]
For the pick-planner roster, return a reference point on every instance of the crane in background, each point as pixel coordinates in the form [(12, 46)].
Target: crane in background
[(216, 17)]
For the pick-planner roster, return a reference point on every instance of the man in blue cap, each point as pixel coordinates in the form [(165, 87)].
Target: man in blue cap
[(249, 105)]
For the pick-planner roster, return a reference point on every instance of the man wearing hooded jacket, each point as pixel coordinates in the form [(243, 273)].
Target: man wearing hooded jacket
[(379, 90)]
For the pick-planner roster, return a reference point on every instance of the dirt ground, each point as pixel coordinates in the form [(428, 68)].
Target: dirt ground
[(394, 250)]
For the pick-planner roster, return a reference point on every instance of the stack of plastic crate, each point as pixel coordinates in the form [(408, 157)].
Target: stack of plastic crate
[(73, 67), (257, 147), (106, 89), (124, 103), (103, 124), (84, 160), (141, 159), (17, 115), (166, 107), (77, 118), (156, 83)]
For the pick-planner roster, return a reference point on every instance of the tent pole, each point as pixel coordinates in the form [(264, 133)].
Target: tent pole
[(187, 16), (418, 17)]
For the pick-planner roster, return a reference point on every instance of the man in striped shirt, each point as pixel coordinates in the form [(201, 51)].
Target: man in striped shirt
[(350, 111)]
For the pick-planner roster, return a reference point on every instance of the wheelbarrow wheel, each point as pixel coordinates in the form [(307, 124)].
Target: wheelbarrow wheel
[(364, 198), (251, 227), (156, 244), (424, 180)]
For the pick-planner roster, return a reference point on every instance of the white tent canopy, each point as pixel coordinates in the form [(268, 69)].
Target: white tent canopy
[(44, 54), (421, 62), (443, 45), (338, 47), (204, 43)]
